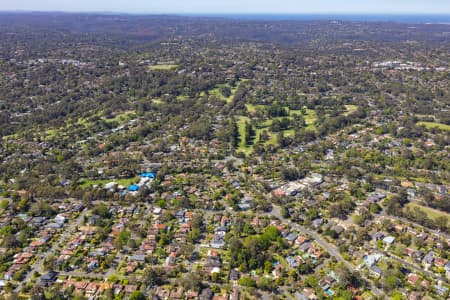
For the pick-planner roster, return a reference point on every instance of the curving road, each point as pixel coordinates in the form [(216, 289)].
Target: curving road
[(276, 212)]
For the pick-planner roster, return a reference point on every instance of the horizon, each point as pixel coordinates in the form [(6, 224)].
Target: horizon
[(234, 7), (228, 13), (407, 18), (253, 15)]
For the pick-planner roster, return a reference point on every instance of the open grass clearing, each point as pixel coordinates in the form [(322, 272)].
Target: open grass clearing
[(163, 67), (431, 212), (217, 91), (14, 136), (251, 108), (243, 147), (431, 125), (273, 136), (182, 97), (310, 116), (350, 109), (85, 123), (122, 117), (125, 182)]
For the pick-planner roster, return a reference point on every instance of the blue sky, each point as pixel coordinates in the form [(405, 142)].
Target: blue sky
[(234, 6)]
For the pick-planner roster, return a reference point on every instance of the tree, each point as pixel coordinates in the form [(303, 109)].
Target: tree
[(122, 239), (50, 263), (191, 281), (37, 293), (196, 221), (249, 133), (55, 293), (306, 267), (311, 281), (441, 222), (153, 276), (109, 294), (225, 91), (345, 295), (265, 284), (374, 208), (194, 234), (137, 295), (397, 296), (187, 250), (247, 281), (391, 282), (285, 212), (10, 241)]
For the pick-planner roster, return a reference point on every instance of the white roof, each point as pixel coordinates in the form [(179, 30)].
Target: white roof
[(389, 239)]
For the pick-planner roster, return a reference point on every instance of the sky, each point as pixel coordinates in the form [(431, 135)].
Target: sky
[(233, 6)]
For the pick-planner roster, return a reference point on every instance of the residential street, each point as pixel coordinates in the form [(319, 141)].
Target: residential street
[(276, 212), (67, 232)]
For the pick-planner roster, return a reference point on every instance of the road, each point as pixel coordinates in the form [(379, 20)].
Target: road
[(96, 276), (276, 212), (410, 223), (67, 232), (410, 265)]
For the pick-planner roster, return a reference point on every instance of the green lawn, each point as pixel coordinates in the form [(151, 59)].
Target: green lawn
[(167, 67), (310, 119), (182, 97), (251, 108), (14, 136), (350, 109), (430, 125), (216, 91), (431, 212), (125, 182), (243, 147), (50, 133), (122, 118), (85, 123)]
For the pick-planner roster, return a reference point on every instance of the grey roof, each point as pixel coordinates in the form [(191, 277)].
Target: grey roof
[(389, 239), (429, 258), (97, 253), (138, 257), (317, 222), (221, 228), (447, 266), (305, 246), (206, 294), (376, 270), (54, 225), (291, 237), (378, 235), (301, 296), (292, 262), (338, 229), (234, 275), (50, 276)]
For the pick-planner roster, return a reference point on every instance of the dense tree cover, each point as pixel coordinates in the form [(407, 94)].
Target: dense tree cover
[(251, 252)]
